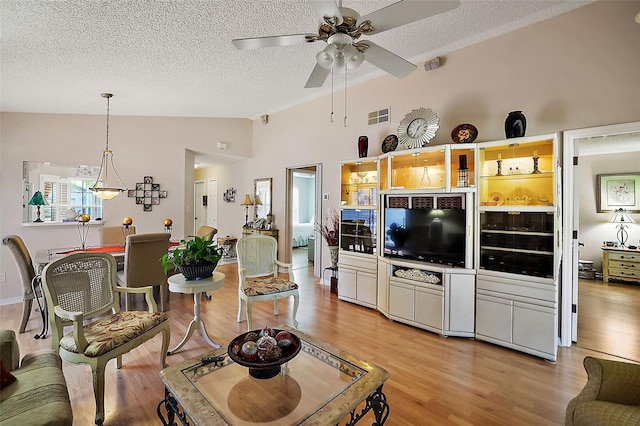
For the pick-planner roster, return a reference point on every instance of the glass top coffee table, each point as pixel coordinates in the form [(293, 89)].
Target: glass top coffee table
[(321, 385)]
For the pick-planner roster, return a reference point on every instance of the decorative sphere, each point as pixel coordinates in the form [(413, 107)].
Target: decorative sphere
[(168, 222), (127, 221), (84, 218)]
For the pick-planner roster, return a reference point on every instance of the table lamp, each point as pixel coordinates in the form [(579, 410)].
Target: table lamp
[(37, 200), (621, 217), (257, 202), (246, 203)]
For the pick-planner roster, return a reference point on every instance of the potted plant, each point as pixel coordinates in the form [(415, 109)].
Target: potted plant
[(195, 259), (329, 229)]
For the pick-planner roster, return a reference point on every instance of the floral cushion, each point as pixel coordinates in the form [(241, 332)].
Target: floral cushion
[(106, 334), (261, 286)]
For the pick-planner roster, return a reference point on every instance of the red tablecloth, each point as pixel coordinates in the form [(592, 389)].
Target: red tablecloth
[(107, 249)]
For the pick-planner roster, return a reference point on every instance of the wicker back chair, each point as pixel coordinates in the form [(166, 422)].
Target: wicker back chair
[(258, 275), (81, 291)]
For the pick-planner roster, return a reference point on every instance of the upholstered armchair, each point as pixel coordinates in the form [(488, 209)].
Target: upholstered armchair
[(258, 276), (81, 292), (611, 395), (27, 276), (206, 232)]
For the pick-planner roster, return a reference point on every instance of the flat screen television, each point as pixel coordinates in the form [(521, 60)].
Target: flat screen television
[(427, 235)]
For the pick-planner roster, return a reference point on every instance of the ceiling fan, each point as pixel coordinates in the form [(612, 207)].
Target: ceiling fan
[(341, 29)]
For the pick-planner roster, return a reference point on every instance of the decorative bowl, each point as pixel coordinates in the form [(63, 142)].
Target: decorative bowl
[(263, 369)]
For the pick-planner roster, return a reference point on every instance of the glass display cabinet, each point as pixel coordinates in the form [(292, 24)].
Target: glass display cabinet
[(359, 182)]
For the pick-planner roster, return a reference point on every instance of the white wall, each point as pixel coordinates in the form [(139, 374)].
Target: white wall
[(579, 69)]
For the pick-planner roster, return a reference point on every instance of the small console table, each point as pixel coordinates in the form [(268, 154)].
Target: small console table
[(620, 264), (250, 231)]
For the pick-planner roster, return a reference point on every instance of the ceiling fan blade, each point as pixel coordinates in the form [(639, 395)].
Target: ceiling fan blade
[(273, 41), (326, 9), (405, 12), (387, 61), (317, 77)]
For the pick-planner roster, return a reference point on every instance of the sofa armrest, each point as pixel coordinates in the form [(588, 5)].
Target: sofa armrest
[(607, 380), (9, 350)]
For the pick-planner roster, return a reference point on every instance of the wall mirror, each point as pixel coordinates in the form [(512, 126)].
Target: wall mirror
[(262, 191), (64, 188)]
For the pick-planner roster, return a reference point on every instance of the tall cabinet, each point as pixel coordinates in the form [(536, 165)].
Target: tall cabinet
[(519, 244), (357, 261)]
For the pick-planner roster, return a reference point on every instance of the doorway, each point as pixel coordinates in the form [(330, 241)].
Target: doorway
[(303, 206), (586, 315)]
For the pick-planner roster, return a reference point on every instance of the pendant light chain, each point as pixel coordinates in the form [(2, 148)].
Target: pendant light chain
[(108, 99)]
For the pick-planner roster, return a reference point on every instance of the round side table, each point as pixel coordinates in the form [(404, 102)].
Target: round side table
[(178, 284)]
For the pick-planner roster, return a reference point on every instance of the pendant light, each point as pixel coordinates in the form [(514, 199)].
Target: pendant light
[(101, 187)]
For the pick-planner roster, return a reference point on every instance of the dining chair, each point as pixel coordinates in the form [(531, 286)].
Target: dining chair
[(258, 276), (207, 232), (142, 266), (81, 292), (28, 277), (113, 235)]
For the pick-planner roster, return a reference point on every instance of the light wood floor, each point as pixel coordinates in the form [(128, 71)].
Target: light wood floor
[(609, 318), (433, 380)]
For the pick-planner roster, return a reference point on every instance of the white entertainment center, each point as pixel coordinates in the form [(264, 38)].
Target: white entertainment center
[(458, 239)]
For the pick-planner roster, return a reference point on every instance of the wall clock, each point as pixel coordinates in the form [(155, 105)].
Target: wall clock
[(418, 127)]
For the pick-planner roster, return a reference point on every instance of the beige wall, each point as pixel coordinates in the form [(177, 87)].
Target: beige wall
[(580, 69)]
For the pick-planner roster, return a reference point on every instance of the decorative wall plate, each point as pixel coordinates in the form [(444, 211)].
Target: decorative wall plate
[(464, 133), (390, 143), (418, 127)]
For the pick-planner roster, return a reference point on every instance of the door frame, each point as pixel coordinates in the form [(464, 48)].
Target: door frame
[(317, 252), (570, 220)]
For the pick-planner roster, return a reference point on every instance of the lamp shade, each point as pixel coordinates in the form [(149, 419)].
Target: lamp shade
[(247, 200), (37, 199), (621, 216), (258, 201)]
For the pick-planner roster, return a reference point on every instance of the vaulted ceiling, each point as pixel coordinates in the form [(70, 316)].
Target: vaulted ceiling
[(175, 57)]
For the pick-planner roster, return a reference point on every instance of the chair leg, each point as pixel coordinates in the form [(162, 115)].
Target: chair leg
[(275, 307), (166, 337), (240, 306), (296, 302), (249, 303), (26, 312), (98, 390)]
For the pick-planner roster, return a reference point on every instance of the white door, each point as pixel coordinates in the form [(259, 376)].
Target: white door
[(199, 209), (212, 203)]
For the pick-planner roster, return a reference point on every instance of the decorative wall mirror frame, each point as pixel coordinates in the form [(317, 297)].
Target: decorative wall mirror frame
[(262, 190), (65, 188)]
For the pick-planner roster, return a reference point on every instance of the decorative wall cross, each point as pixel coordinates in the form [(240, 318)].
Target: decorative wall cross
[(147, 193)]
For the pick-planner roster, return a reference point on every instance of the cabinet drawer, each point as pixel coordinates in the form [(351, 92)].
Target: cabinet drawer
[(359, 263), (626, 256), (626, 273), (620, 264)]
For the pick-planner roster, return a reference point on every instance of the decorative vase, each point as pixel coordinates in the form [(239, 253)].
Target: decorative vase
[(363, 146), (515, 125), (197, 272), (333, 252)]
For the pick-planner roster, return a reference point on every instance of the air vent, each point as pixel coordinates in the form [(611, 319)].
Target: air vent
[(380, 116)]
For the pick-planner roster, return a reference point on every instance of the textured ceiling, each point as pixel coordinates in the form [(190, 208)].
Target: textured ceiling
[(175, 57)]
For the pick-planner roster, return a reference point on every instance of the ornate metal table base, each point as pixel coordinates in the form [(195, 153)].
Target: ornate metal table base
[(377, 402)]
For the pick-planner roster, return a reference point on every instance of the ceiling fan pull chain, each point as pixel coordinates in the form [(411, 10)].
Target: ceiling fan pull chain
[(345, 95), (332, 95)]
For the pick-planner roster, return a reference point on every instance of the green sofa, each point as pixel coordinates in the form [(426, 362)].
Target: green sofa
[(611, 395), (39, 396)]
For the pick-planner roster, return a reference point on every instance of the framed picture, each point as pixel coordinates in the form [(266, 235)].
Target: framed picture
[(618, 191)]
